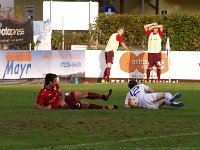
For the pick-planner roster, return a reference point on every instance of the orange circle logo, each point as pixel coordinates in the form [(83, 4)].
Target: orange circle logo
[(126, 62), (129, 62)]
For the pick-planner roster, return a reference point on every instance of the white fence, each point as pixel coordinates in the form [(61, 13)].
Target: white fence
[(91, 64)]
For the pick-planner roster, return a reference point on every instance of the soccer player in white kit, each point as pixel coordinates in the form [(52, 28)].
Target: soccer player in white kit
[(145, 97)]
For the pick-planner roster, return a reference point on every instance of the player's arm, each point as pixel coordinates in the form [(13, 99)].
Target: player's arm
[(147, 26), (40, 100), (160, 27), (62, 97), (124, 46), (119, 38), (150, 90)]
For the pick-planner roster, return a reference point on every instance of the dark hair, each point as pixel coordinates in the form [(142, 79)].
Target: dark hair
[(132, 83), (120, 28), (50, 78)]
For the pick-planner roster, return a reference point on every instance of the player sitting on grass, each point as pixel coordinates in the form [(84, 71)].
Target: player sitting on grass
[(142, 96), (52, 97)]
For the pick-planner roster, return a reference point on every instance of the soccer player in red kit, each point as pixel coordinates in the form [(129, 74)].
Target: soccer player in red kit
[(52, 97), (154, 33), (111, 47)]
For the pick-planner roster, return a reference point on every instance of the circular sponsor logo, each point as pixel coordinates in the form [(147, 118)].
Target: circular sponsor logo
[(126, 63), (129, 62)]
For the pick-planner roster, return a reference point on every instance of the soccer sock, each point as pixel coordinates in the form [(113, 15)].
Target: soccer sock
[(104, 75), (108, 73), (148, 74), (167, 96), (158, 74), (94, 96), (94, 106)]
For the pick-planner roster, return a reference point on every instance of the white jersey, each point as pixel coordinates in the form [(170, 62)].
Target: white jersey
[(146, 100)]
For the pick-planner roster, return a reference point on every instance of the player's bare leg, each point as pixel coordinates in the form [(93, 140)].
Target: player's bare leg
[(165, 96), (160, 96), (158, 74), (148, 72), (158, 66), (89, 95), (169, 99), (161, 102), (80, 94)]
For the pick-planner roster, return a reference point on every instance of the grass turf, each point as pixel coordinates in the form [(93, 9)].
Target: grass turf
[(23, 127)]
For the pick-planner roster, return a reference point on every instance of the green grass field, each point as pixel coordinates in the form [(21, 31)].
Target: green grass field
[(23, 127)]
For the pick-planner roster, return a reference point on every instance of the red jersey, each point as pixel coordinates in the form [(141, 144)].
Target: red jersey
[(119, 38), (49, 96)]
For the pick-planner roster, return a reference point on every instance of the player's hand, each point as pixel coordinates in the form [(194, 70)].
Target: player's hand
[(62, 103), (48, 107), (155, 24)]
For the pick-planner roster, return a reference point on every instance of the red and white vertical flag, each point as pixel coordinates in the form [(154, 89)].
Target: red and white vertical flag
[(167, 47)]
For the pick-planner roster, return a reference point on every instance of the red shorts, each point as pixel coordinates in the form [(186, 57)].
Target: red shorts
[(109, 57), (154, 59), (71, 101)]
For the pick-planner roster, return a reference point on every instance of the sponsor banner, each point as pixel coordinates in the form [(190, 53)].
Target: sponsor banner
[(184, 65), (42, 35), (136, 64), (35, 64), (91, 64), (15, 32)]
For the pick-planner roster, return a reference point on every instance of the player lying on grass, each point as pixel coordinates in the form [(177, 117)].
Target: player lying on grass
[(52, 97), (142, 96)]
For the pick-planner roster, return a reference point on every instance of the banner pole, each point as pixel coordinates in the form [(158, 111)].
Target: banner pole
[(29, 46), (63, 32), (168, 59)]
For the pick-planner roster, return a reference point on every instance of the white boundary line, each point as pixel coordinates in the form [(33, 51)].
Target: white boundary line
[(122, 141)]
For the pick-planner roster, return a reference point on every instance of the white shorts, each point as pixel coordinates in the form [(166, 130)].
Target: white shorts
[(149, 101)]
